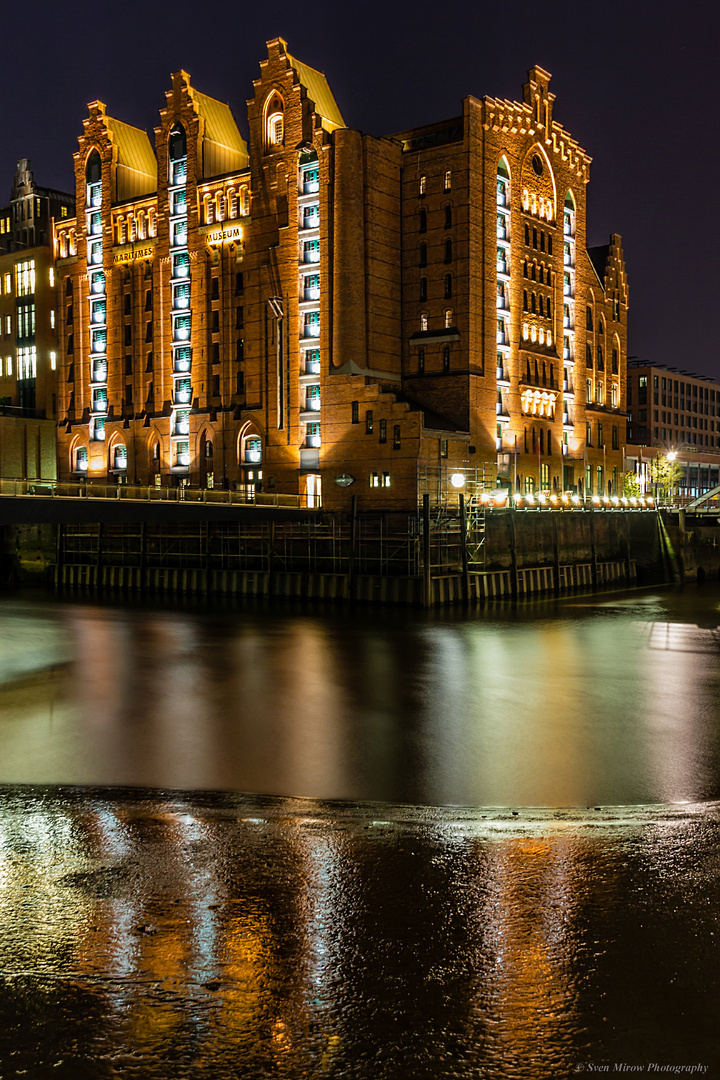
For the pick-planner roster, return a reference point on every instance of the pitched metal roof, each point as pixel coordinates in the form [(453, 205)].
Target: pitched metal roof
[(319, 92), (135, 156)]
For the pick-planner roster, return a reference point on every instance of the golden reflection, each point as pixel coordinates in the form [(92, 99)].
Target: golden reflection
[(530, 930)]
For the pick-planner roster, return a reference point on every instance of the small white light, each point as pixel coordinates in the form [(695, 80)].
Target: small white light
[(457, 480), (596, 500), (576, 499), (517, 497)]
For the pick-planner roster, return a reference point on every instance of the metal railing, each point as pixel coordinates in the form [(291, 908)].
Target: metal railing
[(216, 496)]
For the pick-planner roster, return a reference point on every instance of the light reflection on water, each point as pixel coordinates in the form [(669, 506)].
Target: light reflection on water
[(240, 937), (595, 701)]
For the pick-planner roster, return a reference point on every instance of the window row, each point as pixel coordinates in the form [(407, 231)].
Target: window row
[(423, 218), (131, 226), (445, 355), (537, 272), (538, 239), (537, 304), (600, 436), (225, 205), (446, 182), (448, 252), (370, 425), (537, 205), (447, 287), (448, 320)]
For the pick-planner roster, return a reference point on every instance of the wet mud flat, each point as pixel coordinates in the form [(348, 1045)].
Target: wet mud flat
[(153, 933)]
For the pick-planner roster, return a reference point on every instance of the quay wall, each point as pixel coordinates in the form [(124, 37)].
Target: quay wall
[(510, 554)]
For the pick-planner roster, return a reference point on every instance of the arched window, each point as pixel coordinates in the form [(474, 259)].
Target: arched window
[(588, 356), (448, 250), (448, 318), (275, 122), (423, 220), (119, 456), (177, 143), (423, 322), (81, 459), (93, 169), (588, 318), (448, 286), (208, 448), (251, 449)]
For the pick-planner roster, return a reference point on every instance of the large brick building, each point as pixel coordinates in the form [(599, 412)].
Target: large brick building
[(325, 312), (28, 327)]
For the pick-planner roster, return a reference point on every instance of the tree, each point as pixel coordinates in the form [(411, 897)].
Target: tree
[(665, 473), (631, 485)]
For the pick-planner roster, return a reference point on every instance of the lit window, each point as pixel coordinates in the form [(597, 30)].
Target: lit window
[(423, 322), (8, 284), (422, 184), (312, 434), (448, 318), (447, 183), (81, 459), (53, 361), (52, 319), (52, 277), (8, 365), (386, 479)]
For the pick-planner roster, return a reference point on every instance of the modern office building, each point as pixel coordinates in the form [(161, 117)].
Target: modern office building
[(28, 327), (677, 412), (324, 313)]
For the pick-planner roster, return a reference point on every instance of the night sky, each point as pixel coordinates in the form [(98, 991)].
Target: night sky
[(636, 85)]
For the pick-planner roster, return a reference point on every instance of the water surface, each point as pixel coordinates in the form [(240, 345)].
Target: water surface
[(596, 700)]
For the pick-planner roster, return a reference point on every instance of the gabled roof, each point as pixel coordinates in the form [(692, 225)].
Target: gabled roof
[(220, 126), (318, 91), (137, 167), (598, 257)]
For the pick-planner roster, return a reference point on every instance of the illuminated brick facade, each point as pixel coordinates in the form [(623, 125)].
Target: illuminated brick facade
[(319, 304)]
